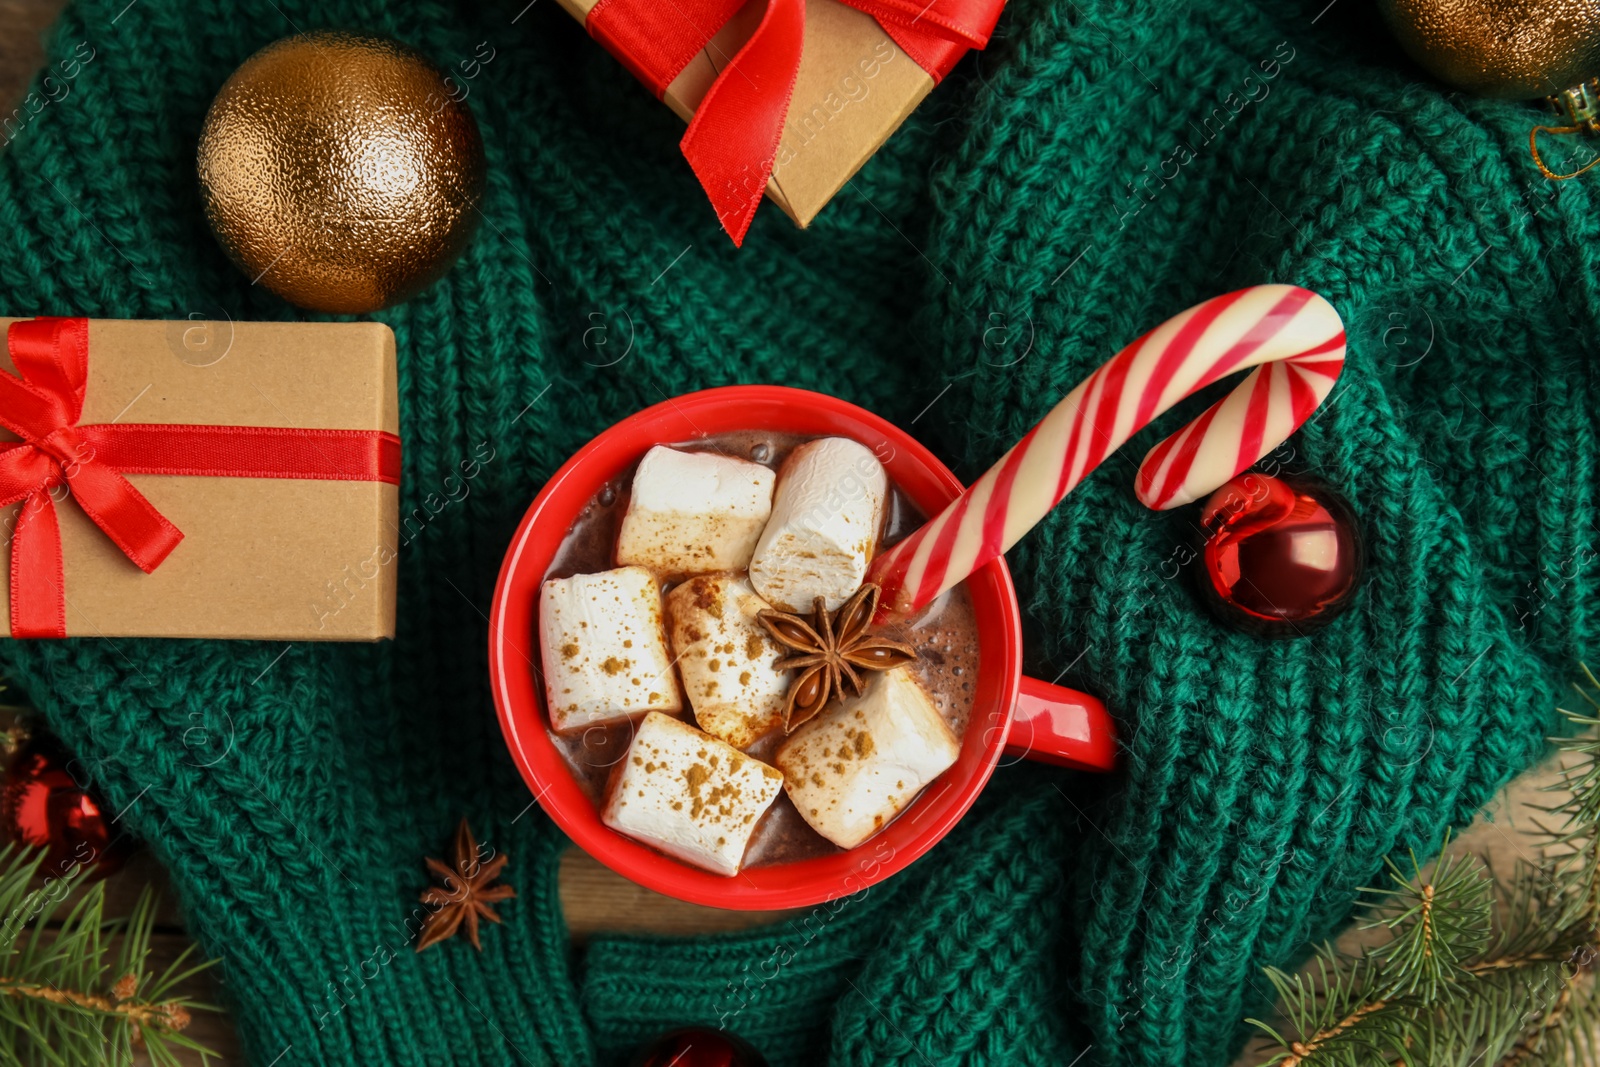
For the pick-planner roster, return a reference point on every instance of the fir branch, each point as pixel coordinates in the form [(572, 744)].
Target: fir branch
[(1534, 1039), (83, 991), (1436, 922), (1515, 962), (170, 1016), (1299, 1051)]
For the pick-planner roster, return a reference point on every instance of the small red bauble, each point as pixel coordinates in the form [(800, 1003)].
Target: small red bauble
[(43, 806), (698, 1046), (1282, 557)]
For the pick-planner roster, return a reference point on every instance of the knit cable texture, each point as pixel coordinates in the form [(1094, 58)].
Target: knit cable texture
[(1103, 165)]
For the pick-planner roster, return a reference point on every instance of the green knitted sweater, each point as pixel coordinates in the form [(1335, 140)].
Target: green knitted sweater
[(1102, 166)]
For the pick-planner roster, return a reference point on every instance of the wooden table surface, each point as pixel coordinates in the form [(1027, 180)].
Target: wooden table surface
[(592, 897)]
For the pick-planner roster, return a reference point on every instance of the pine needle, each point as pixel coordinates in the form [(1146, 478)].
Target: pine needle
[(84, 991), (1436, 922)]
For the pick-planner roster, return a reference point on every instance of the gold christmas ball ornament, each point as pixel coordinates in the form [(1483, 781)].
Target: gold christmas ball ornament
[(1514, 49), (341, 171)]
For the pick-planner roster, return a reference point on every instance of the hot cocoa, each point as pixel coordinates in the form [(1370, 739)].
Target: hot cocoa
[(732, 530)]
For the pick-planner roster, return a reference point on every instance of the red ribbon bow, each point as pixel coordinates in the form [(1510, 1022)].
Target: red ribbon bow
[(42, 403), (732, 141)]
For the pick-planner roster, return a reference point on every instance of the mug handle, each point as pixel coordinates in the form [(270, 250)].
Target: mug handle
[(1053, 724)]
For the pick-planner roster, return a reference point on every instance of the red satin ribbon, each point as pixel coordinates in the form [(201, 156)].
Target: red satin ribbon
[(41, 404), (732, 141)]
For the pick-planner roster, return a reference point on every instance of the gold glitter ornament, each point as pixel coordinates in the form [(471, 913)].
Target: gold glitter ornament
[(1511, 49), (340, 171), (1514, 49)]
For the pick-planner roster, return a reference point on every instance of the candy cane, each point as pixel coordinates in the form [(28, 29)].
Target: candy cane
[(1293, 338)]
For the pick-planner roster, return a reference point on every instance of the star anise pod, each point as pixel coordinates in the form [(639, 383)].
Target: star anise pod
[(828, 650), (466, 894)]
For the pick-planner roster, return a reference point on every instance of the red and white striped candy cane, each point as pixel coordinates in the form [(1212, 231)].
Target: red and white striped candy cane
[(1293, 338)]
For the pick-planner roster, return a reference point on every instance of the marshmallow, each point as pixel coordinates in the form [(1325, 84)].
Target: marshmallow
[(689, 795), (824, 525), (694, 512), (855, 767), (726, 658), (605, 655)]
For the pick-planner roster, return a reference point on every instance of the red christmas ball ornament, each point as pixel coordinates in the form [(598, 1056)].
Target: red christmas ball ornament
[(1282, 557), (43, 806), (698, 1046)]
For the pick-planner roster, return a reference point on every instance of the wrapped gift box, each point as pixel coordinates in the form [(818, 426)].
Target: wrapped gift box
[(271, 554), (854, 88)]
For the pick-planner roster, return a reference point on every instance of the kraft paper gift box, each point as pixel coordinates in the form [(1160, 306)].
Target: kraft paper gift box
[(295, 540), (854, 88)]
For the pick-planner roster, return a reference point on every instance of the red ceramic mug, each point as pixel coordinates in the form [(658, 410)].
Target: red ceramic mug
[(1010, 715)]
